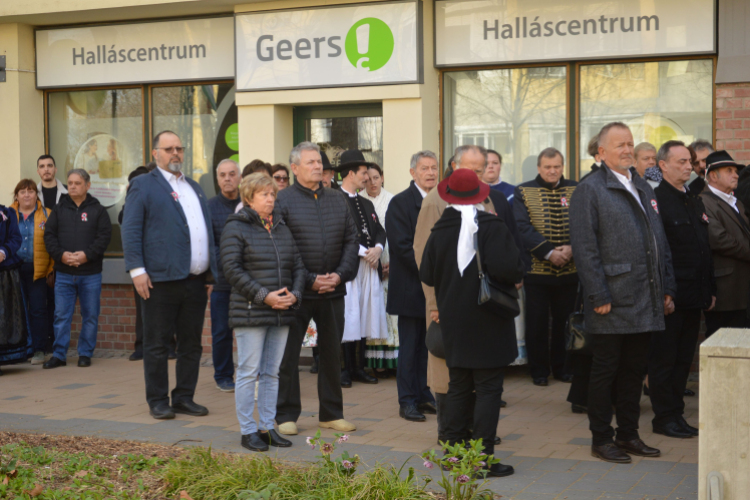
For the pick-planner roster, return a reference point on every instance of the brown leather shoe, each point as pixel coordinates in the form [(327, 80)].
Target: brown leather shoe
[(637, 447), (610, 453)]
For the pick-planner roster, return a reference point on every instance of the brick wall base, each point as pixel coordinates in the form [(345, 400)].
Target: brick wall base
[(733, 120)]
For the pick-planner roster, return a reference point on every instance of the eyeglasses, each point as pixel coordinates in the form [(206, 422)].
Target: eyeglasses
[(178, 149), (281, 178)]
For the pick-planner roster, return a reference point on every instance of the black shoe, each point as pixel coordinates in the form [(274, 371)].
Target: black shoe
[(1, 373), (53, 363), (346, 380), (498, 440), (500, 470), (578, 408), (672, 429), (382, 374), (84, 361), (686, 426), (646, 391), (427, 408), (136, 356), (364, 377), (688, 392), (637, 447), (189, 408), (172, 354), (567, 378), (272, 438), (503, 404), (610, 453), (253, 442), (541, 381), (161, 411), (315, 365), (411, 413)]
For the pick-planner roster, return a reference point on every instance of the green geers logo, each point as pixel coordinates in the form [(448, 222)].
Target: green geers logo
[(369, 44)]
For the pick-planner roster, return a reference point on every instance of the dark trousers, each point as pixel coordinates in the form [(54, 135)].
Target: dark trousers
[(35, 294), (725, 319), (621, 360), (580, 365), (488, 384), (547, 350), (138, 347), (354, 355), (411, 377), (173, 306), (221, 338), (442, 419), (329, 318), (669, 362), (49, 338)]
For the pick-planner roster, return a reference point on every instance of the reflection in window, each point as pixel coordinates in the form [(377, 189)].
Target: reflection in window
[(336, 135), (201, 115), (517, 112), (100, 131), (658, 100)]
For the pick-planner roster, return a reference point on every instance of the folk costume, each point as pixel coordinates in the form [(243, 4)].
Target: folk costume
[(15, 340)]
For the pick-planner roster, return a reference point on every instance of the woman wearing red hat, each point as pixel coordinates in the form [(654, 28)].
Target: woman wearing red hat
[(478, 343)]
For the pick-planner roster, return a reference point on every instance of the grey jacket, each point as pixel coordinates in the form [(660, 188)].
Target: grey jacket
[(621, 253)]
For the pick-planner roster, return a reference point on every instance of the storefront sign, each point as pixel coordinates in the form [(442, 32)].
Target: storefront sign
[(471, 32), (174, 51), (368, 44)]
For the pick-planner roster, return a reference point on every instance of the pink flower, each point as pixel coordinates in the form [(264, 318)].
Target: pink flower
[(311, 442), (428, 465), (326, 449), (463, 479), (347, 464), (342, 439), (482, 463), (453, 460)]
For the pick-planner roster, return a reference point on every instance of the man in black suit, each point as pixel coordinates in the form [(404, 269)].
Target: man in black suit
[(405, 295)]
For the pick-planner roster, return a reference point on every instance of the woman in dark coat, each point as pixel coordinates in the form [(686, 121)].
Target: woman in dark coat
[(15, 341), (478, 343), (264, 267)]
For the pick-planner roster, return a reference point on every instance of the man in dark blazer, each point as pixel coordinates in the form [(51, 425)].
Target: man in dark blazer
[(729, 237), (405, 295), (169, 248)]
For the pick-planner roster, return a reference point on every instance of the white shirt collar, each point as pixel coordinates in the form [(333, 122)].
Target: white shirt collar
[(169, 176), (499, 181), (729, 198), (354, 195), (421, 191), (620, 176)]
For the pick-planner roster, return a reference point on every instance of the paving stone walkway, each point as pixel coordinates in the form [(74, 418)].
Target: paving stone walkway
[(547, 444)]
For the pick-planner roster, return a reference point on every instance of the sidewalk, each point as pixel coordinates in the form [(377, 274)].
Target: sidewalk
[(547, 444)]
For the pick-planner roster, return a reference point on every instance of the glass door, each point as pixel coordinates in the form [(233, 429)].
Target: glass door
[(339, 128)]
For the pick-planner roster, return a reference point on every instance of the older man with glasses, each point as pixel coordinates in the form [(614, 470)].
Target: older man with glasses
[(168, 239)]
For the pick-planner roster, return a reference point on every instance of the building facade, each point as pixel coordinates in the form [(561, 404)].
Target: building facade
[(91, 82)]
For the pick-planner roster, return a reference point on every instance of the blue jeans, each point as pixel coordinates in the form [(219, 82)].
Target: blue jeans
[(221, 338), (259, 352), (35, 293), (88, 290)]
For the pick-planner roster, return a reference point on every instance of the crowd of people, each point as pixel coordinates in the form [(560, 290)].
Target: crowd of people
[(425, 284)]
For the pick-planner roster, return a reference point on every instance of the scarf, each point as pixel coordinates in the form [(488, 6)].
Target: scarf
[(469, 228)]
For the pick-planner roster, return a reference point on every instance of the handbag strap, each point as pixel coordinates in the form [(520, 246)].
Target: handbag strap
[(579, 299), (476, 248)]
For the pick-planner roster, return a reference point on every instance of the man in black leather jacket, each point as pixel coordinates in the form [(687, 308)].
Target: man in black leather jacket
[(326, 236)]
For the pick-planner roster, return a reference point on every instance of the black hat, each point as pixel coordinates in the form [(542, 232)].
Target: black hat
[(720, 159), (351, 159), (326, 162)]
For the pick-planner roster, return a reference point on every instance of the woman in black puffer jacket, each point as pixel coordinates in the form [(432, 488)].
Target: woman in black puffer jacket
[(264, 267)]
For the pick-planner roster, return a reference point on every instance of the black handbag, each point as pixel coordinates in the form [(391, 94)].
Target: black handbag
[(501, 300), (577, 341), (434, 340)]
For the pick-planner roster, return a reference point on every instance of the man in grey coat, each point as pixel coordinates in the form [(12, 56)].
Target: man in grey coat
[(625, 267)]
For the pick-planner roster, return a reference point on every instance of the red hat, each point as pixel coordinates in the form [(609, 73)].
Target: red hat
[(463, 187)]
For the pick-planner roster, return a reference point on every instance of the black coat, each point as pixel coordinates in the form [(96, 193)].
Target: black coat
[(686, 227), (256, 262), (325, 233), (474, 338), (374, 227), (405, 295), (72, 228)]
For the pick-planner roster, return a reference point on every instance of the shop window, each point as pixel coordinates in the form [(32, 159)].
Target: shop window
[(205, 118), (100, 131), (517, 112), (659, 101)]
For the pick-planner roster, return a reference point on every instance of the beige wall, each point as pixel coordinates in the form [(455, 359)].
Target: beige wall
[(21, 109), (410, 112)]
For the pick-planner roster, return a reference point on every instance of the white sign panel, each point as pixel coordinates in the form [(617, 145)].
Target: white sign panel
[(367, 44), (184, 50), (470, 32)]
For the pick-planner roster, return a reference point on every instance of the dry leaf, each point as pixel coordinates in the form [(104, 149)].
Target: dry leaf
[(184, 495), (36, 491), (6, 480), (81, 473), (12, 473)]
